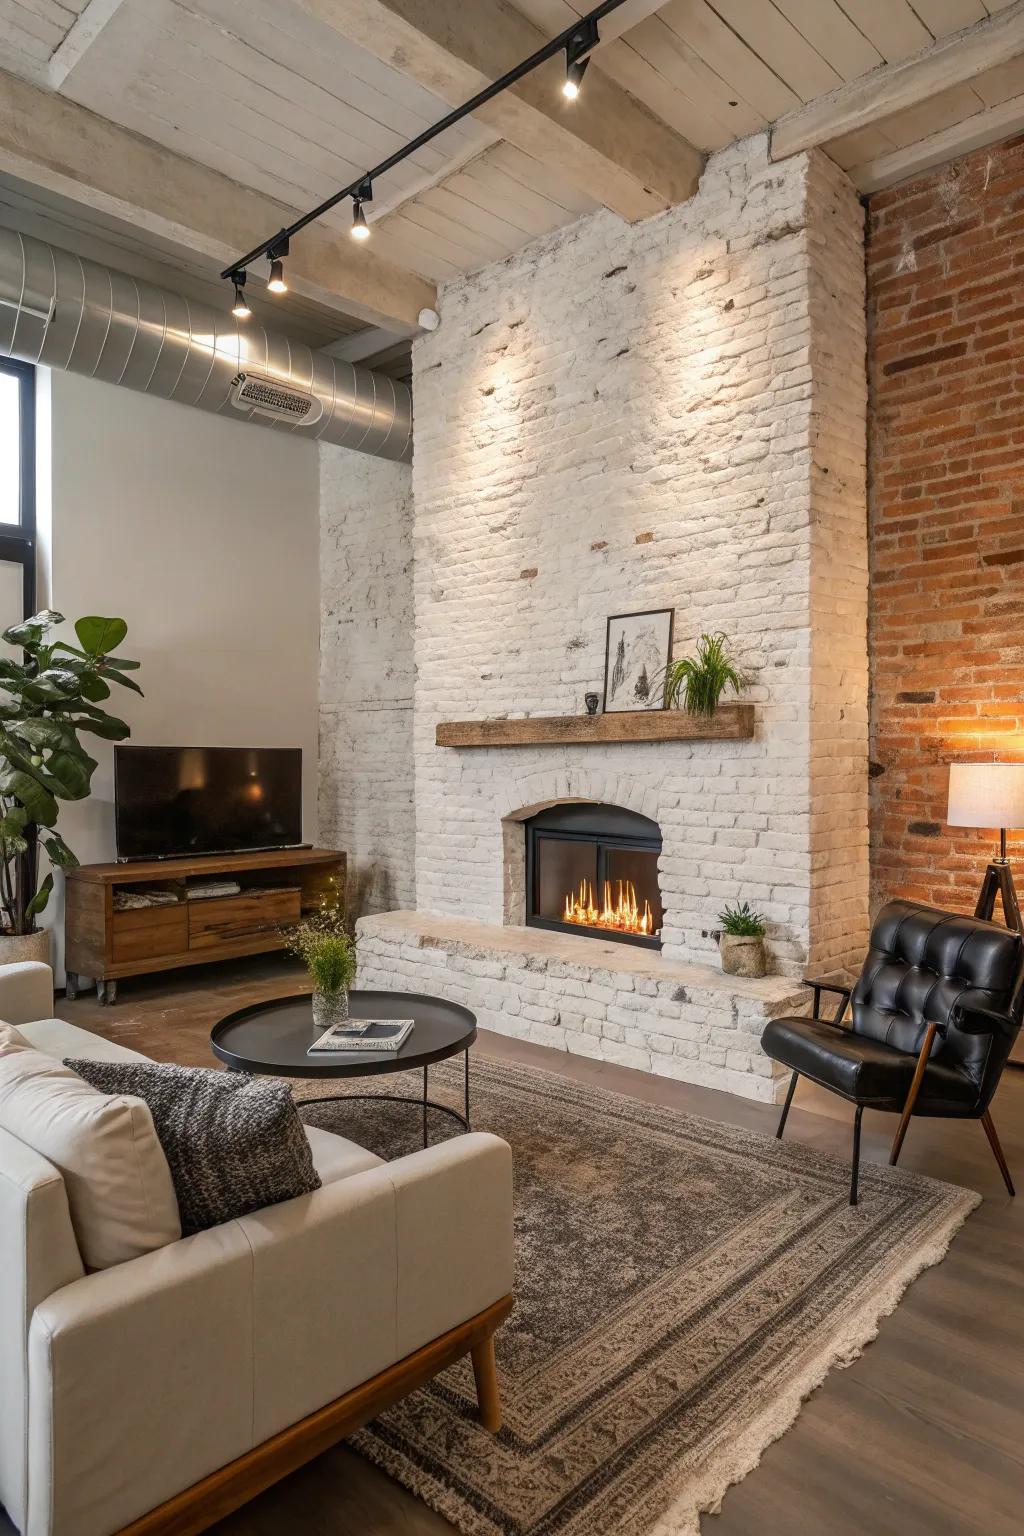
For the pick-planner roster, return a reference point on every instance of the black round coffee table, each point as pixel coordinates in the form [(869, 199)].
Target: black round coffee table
[(273, 1038)]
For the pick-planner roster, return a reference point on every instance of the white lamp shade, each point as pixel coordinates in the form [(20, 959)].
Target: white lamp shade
[(986, 795)]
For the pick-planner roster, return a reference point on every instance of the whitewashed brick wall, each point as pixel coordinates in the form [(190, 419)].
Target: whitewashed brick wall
[(588, 996), (840, 875), (669, 414), (366, 672)]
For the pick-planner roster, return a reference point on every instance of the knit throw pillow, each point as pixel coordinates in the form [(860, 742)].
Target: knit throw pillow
[(234, 1143)]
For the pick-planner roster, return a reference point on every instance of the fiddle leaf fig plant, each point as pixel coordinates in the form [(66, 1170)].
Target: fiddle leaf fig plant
[(50, 692)]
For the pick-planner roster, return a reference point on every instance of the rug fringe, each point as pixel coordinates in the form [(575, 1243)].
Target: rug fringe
[(705, 1495)]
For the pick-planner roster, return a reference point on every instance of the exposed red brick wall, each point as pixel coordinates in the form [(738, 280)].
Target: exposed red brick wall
[(946, 454)]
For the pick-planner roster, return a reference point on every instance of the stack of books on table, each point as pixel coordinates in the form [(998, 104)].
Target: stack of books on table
[(372, 1037)]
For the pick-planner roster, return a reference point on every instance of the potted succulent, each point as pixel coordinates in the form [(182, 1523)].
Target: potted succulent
[(696, 683), (328, 951), (50, 692), (741, 941)]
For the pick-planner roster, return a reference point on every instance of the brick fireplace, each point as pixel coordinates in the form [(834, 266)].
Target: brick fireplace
[(665, 415)]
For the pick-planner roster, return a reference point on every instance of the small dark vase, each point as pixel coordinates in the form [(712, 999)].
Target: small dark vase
[(591, 700)]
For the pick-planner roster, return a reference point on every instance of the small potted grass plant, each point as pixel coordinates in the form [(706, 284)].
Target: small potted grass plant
[(696, 683), (328, 951), (741, 941)]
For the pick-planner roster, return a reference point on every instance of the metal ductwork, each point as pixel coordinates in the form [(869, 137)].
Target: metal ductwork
[(63, 312)]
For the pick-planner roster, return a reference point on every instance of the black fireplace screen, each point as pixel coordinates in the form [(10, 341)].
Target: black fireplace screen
[(593, 869)]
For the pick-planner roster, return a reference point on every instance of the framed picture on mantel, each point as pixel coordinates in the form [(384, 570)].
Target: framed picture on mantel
[(638, 648)]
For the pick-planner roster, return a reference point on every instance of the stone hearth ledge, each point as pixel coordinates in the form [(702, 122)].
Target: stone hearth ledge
[(615, 1002)]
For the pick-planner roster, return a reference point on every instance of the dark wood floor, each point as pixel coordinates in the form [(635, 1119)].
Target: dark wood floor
[(922, 1436)]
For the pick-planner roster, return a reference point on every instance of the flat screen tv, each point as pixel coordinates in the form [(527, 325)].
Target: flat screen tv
[(176, 801)]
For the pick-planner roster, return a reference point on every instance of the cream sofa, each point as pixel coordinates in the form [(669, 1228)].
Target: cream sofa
[(179, 1384)]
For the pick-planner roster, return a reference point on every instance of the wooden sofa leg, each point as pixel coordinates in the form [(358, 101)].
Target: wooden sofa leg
[(220, 1493), (485, 1374), (915, 1088)]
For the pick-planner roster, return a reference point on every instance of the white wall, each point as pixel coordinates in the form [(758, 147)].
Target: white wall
[(202, 534), (366, 674)]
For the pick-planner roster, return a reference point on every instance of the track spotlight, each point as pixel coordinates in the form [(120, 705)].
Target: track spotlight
[(574, 78), (277, 251), (576, 42), (240, 308), (363, 194), (577, 50)]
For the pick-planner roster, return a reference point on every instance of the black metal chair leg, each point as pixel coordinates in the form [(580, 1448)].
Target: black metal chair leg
[(855, 1168), (785, 1108), (426, 1141), (467, 1091)]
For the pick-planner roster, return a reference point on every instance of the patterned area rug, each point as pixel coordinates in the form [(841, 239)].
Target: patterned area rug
[(682, 1286)]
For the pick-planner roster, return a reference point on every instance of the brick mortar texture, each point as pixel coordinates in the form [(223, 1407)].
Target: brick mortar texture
[(617, 418), (685, 1022), (946, 328), (669, 414)]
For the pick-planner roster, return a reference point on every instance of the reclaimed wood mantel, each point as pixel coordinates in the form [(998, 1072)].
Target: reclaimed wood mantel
[(731, 722)]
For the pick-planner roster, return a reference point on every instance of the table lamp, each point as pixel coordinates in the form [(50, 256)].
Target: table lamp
[(990, 795)]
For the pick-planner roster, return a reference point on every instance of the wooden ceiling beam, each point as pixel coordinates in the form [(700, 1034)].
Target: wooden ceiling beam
[(88, 26), (606, 142), (53, 143), (1001, 121), (871, 98)]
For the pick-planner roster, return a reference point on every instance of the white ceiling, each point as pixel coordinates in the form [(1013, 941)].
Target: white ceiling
[(719, 69), (261, 92)]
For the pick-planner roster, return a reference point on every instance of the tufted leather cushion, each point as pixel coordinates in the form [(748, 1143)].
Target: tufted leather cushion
[(864, 1070), (921, 966)]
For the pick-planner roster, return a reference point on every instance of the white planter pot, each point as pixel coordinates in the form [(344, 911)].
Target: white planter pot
[(25, 946), (743, 955)]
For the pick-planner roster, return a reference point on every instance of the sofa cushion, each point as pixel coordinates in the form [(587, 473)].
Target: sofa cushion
[(234, 1142), (336, 1158), (115, 1173)]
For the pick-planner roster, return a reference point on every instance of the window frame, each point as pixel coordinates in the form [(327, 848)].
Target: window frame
[(18, 540)]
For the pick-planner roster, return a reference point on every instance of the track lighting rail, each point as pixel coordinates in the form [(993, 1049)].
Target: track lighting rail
[(576, 40)]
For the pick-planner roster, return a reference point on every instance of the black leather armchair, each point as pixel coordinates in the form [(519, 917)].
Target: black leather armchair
[(934, 1016)]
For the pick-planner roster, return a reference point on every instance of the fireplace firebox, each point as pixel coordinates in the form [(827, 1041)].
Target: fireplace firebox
[(593, 869)]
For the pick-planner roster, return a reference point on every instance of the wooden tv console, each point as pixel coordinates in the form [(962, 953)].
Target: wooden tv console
[(104, 943)]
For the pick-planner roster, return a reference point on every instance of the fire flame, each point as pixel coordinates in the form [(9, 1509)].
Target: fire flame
[(623, 914)]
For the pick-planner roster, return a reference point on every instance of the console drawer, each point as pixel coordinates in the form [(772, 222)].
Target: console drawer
[(146, 933), (226, 919)]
